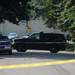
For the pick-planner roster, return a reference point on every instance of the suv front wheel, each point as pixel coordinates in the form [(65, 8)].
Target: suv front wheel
[(21, 50)]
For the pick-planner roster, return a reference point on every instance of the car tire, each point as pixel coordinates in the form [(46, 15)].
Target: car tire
[(21, 50)]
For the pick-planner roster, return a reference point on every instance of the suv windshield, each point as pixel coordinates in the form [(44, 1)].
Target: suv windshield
[(35, 36)]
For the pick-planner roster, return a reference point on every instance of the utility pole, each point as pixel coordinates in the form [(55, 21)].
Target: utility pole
[(28, 27)]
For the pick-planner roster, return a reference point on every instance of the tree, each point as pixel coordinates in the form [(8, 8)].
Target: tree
[(58, 13), (14, 10)]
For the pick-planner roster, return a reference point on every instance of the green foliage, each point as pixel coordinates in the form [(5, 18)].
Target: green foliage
[(70, 47), (14, 10), (59, 13)]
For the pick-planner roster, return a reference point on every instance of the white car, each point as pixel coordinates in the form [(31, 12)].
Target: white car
[(12, 35)]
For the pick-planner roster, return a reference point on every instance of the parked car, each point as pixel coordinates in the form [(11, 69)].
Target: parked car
[(53, 42), (12, 35), (5, 44)]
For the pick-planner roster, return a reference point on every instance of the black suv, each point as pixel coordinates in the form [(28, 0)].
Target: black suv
[(5, 44), (53, 42)]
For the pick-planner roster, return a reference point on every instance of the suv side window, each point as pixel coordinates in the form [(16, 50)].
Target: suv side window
[(54, 37), (35, 36)]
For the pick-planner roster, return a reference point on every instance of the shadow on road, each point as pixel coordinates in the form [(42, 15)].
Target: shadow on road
[(41, 55)]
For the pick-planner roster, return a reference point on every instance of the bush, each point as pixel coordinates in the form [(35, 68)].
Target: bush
[(70, 47)]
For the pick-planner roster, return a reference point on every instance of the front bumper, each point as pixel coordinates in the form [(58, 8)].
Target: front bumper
[(3, 48)]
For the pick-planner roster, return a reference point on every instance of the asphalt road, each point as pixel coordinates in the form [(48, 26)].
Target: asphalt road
[(37, 63)]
